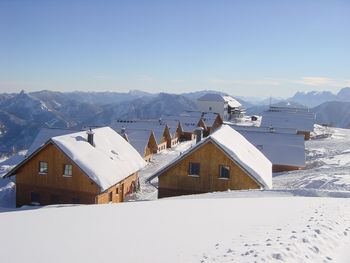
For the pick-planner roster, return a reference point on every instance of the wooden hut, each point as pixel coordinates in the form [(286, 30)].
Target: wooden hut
[(223, 160), (143, 141), (91, 167)]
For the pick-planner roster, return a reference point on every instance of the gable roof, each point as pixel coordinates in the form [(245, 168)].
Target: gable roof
[(280, 148), (41, 138), (109, 161), (220, 98), (44, 135), (139, 139), (238, 149), (299, 120), (157, 126)]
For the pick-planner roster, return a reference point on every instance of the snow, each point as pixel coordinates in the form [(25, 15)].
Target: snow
[(181, 230), (139, 139), (300, 120), (223, 98), (42, 137), (159, 161), (109, 161), (272, 144), (240, 150), (157, 126), (327, 163), (299, 221)]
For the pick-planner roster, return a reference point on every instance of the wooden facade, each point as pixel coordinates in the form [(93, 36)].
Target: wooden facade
[(172, 139), (277, 168), (306, 134), (53, 187), (216, 124), (176, 180)]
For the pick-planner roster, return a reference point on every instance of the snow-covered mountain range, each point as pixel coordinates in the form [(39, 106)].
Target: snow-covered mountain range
[(23, 114)]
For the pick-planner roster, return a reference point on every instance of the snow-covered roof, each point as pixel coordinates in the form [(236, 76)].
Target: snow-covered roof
[(239, 127), (138, 139), (188, 123), (157, 126), (232, 102), (190, 119), (44, 135), (223, 98), (280, 148), (109, 161), (239, 150), (41, 138), (301, 121)]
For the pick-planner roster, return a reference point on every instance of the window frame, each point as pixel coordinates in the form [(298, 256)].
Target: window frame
[(64, 170), (228, 169), (40, 167), (190, 170)]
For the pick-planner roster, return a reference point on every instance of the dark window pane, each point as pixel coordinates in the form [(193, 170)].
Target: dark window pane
[(194, 168), (224, 171)]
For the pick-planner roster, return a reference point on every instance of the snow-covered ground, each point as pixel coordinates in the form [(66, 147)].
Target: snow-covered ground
[(327, 160), (298, 221), (148, 191), (201, 229)]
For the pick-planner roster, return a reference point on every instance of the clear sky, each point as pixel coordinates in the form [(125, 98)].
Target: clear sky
[(242, 47)]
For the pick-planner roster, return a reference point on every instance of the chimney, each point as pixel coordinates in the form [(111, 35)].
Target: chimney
[(90, 137), (199, 134), (122, 131)]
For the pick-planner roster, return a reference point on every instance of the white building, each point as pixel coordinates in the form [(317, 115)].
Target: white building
[(226, 106)]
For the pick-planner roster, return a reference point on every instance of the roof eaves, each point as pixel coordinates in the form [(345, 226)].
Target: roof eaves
[(14, 169), (182, 156)]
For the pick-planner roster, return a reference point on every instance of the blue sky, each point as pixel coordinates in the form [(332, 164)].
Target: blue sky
[(247, 47)]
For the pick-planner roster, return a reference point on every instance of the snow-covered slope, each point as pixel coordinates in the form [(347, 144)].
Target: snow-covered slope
[(267, 229), (282, 225), (327, 161)]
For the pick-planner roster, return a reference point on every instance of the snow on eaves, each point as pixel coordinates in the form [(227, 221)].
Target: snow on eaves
[(245, 154), (220, 98), (109, 161), (238, 149)]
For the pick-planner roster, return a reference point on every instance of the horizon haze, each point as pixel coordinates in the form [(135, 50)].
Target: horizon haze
[(260, 48)]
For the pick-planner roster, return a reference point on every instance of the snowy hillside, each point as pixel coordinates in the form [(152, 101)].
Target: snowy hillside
[(298, 221), (202, 229)]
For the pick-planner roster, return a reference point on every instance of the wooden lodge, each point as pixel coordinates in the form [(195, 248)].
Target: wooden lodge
[(93, 167), (143, 141), (189, 121), (224, 160)]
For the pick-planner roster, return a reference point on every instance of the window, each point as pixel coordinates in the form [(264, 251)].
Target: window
[(224, 171), (68, 170), (194, 169), (43, 167), (117, 190), (110, 196)]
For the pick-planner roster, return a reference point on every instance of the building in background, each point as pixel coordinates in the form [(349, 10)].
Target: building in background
[(226, 106)]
